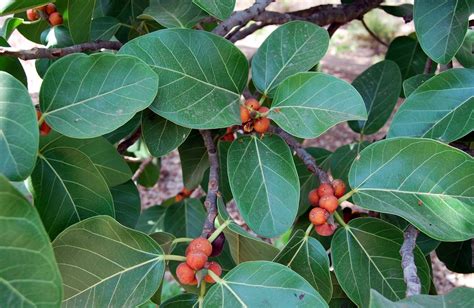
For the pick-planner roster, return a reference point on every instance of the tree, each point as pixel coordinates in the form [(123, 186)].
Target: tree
[(127, 82)]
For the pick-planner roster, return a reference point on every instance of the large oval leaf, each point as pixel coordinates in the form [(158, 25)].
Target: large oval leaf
[(174, 13), (412, 83), (102, 154), (68, 188), (366, 256), (379, 86), (12, 65), (441, 27), (308, 104), (294, 47), (161, 136), (79, 19), (185, 219), (342, 158), (13, 6), (264, 183), (29, 275), (407, 53), (88, 96), (262, 284), (465, 55), (457, 256), (217, 8), (307, 257), (131, 264), (441, 108), (194, 160), (458, 297), (424, 181), (201, 76), (151, 220), (127, 203), (18, 129)]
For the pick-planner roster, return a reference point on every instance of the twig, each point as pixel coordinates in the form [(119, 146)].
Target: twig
[(244, 32), (307, 159), (408, 261), (124, 144), (372, 34), (428, 66), (333, 28), (141, 168), (53, 53), (241, 18), (321, 15), (213, 186)]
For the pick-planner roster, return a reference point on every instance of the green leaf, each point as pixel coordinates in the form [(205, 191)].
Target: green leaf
[(439, 109), (57, 36), (424, 181), (366, 256), (127, 203), (78, 19), (441, 28), (103, 155), (339, 298), (174, 13), (160, 135), (465, 54), (151, 220), (165, 240), (308, 258), (221, 9), (87, 96), (9, 25), (131, 264), (185, 219), (402, 10), (457, 256), (412, 83), (194, 160), (224, 186), (125, 130), (18, 129), (407, 53), (150, 175), (458, 297), (342, 158), (379, 87), (292, 48), (308, 104), (14, 6), (32, 31), (308, 180), (202, 76), (67, 188), (262, 284), (185, 300), (12, 65), (104, 28), (29, 275), (264, 183)]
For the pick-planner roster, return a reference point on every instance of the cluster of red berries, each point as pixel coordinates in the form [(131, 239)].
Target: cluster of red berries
[(325, 202), (197, 254), (47, 12), (44, 128), (253, 116)]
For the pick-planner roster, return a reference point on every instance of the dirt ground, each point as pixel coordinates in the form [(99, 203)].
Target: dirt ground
[(345, 65)]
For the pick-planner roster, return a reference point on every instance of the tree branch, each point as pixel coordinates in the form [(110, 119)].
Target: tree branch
[(321, 15), (54, 53), (408, 261), (307, 159), (213, 187), (241, 18), (124, 144), (141, 168)]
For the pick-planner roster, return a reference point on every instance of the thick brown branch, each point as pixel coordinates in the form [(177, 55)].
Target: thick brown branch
[(408, 261), (321, 15), (241, 18), (213, 186), (53, 53), (307, 159)]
